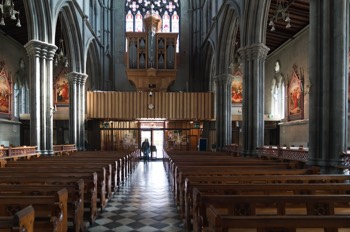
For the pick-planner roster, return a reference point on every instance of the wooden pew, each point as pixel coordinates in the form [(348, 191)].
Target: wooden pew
[(218, 222), (23, 220), (104, 172), (275, 205), (76, 164), (90, 188), (207, 181), (75, 201), (121, 163), (62, 172), (126, 161), (260, 189), (182, 174), (50, 211)]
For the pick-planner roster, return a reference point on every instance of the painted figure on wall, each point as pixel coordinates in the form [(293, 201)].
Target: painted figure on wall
[(295, 100), (237, 88), (296, 96), (62, 89), (5, 90)]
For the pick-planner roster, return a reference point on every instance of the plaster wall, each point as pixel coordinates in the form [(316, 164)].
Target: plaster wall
[(293, 52)]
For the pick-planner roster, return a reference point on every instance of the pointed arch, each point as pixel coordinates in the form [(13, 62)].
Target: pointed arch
[(226, 44), (38, 16), (73, 38), (254, 21), (208, 58), (93, 67)]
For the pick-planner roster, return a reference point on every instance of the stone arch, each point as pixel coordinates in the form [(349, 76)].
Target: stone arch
[(73, 38), (38, 16), (254, 21), (227, 42), (93, 67), (208, 61)]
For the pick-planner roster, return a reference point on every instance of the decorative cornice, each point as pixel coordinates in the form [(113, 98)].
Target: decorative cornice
[(253, 52)]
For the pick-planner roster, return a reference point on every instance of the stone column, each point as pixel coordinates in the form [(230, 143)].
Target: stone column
[(253, 59), (328, 65), (81, 116), (223, 110), (41, 89), (73, 78), (77, 108)]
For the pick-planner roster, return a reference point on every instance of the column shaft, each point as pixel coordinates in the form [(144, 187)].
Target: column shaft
[(223, 110), (253, 58), (328, 67), (41, 90), (77, 109)]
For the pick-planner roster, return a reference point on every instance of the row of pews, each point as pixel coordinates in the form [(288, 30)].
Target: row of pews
[(61, 193), (215, 191)]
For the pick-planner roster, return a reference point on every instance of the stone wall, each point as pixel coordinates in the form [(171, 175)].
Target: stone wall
[(11, 55), (293, 52)]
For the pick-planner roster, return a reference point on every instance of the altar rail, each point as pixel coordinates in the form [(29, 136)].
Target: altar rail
[(17, 151), (64, 149), (26, 152), (300, 153), (233, 149), (14, 153)]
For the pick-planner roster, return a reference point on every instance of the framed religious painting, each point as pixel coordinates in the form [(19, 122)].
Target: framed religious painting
[(237, 88), (61, 89), (295, 95), (5, 91)]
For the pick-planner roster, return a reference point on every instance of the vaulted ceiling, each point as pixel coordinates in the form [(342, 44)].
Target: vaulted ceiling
[(298, 12)]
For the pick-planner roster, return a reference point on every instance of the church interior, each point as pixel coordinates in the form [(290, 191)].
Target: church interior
[(236, 86)]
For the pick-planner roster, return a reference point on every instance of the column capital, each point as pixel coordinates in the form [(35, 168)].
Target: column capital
[(77, 77), (83, 78), (223, 79), (40, 49), (254, 51)]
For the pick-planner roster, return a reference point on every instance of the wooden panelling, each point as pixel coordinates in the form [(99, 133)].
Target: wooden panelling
[(134, 105)]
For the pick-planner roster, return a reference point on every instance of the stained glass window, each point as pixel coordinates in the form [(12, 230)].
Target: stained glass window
[(167, 10)]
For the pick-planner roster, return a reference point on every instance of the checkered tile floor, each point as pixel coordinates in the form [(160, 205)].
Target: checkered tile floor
[(144, 203)]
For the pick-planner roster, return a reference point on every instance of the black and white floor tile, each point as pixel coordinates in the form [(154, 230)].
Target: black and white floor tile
[(144, 203)]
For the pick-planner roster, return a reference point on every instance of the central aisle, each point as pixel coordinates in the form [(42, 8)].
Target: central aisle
[(144, 203)]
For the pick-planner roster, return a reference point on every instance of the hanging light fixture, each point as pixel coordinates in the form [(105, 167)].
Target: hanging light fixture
[(281, 14), (8, 11), (60, 56)]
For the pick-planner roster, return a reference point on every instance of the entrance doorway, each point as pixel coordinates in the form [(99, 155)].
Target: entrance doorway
[(154, 132)]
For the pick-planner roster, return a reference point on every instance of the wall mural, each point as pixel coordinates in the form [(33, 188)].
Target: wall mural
[(5, 90), (237, 88), (295, 95), (61, 88)]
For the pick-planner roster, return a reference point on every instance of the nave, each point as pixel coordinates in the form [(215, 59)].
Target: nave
[(144, 203)]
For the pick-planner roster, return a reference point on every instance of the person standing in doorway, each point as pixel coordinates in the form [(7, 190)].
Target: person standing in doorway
[(145, 148)]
